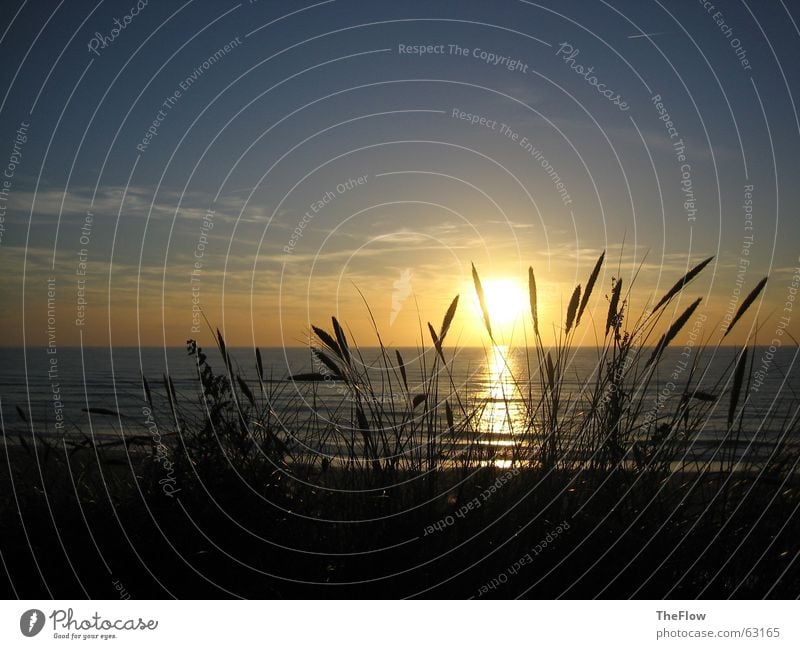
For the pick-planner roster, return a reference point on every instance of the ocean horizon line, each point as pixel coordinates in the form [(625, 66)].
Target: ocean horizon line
[(388, 346)]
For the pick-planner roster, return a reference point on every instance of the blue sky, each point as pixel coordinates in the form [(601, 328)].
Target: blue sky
[(309, 96)]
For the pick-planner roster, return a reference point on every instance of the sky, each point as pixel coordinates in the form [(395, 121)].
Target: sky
[(258, 167)]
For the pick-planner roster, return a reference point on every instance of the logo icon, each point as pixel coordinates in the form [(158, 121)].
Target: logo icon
[(31, 622), (402, 289)]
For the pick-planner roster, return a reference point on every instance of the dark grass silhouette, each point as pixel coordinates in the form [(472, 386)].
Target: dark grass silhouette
[(234, 495)]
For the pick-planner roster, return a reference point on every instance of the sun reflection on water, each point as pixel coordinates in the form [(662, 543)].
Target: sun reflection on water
[(502, 403)]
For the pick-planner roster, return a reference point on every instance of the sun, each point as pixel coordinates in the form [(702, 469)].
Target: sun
[(506, 301)]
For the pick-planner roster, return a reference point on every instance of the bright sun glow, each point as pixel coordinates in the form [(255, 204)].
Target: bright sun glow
[(506, 301)]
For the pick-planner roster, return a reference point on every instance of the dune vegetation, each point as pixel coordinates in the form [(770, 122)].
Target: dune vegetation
[(601, 490)]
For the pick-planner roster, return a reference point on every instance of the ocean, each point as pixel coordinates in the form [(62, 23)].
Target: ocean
[(78, 391)]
